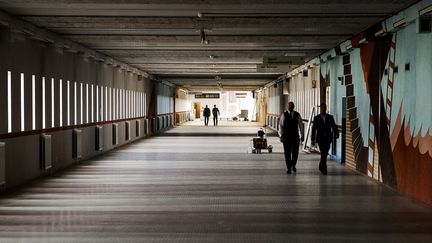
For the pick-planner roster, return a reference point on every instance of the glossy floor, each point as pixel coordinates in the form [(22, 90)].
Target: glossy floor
[(202, 188)]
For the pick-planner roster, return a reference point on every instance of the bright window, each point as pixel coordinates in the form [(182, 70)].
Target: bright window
[(33, 102), (52, 104), (61, 102), (75, 103), (81, 104), (68, 102), (97, 103), (22, 103), (92, 104), (43, 103)]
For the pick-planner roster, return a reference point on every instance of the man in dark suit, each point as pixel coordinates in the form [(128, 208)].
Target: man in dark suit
[(322, 133), (206, 114), (290, 126), (216, 113)]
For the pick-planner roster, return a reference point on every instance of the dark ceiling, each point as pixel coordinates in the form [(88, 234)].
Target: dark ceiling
[(199, 43)]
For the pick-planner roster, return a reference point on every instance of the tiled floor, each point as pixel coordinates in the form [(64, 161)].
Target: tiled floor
[(202, 188)]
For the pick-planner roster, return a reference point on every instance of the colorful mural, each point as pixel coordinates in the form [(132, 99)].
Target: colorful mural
[(387, 85)]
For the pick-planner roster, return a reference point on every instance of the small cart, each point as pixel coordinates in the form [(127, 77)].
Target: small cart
[(260, 143)]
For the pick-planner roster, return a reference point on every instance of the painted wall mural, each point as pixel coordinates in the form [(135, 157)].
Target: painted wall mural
[(387, 83)]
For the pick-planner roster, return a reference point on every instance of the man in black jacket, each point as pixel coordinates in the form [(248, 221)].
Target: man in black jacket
[(216, 113), (206, 114), (290, 124), (322, 127)]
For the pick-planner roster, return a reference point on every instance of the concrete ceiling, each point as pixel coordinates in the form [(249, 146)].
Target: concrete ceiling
[(165, 37)]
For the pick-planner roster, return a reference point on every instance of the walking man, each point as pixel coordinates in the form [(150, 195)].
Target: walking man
[(216, 113), (290, 126), (322, 127), (206, 115)]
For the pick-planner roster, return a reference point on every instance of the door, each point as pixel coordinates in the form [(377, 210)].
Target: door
[(197, 107)]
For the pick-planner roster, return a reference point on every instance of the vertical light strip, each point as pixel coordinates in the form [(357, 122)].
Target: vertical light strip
[(22, 103), (68, 102), (145, 104), (92, 104), (87, 104), (97, 103), (121, 104), (75, 103), (33, 102), (133, 104), (43, 103), (127, 104), (81, 104), (102, 104), (61, 102), (52, 103), (110, 104), (113, 104), (9, 99), (106, 103)]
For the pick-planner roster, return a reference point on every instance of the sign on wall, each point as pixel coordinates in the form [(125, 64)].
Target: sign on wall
[(207, 96)]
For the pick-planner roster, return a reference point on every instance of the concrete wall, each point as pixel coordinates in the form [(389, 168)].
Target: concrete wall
[(21, 55)]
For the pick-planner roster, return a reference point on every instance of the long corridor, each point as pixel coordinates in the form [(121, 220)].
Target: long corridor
[(195, 188)]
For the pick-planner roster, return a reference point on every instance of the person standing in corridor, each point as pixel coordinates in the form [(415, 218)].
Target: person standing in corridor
[(216, 113), (206, 115), (322, 127), (290, 131)]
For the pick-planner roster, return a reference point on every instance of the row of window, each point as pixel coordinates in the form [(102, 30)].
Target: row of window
[(76, 103)]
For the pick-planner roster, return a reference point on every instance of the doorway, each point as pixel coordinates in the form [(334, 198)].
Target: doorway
[(197, 108)]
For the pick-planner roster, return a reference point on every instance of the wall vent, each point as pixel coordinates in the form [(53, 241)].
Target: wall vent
[(115, 134), (99, 138), (77, 143), (127, 131), (46, 152), (2, 164)]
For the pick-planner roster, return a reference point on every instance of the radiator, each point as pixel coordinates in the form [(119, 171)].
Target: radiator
[(146, 127), (77, 143), (127, 131), (46, 152), (99, 138), (137, 128), (115, 134), (2, 164)]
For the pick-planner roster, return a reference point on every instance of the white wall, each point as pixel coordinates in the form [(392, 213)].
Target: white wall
[(229, 106)]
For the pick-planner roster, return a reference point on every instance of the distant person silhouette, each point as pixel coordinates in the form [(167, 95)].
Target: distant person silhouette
[(206, 114), (216, 113)]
